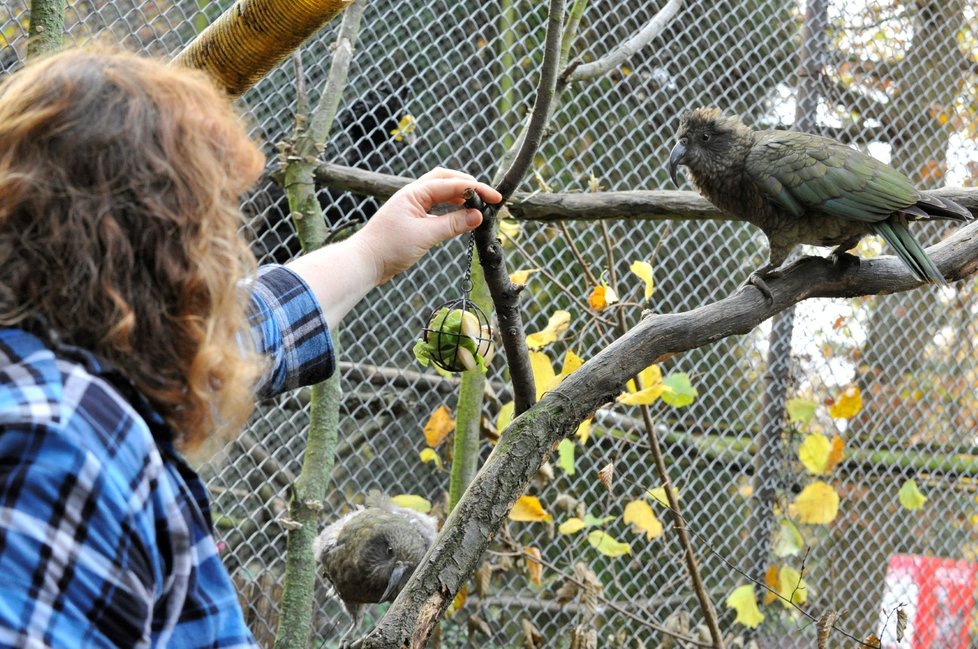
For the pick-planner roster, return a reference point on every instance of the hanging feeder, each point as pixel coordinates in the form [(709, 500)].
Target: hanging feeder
[(457, 335)]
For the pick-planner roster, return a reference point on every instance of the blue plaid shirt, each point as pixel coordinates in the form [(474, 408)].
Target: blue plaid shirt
[(105, 532)]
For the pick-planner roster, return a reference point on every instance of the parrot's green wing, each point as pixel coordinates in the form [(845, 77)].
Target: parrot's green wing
[(805, 173)]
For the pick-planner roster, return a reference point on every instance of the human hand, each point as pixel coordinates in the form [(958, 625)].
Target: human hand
[(403, 230)]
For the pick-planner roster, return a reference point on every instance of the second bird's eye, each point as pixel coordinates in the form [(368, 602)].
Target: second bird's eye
[(705, 137), (390, 551)]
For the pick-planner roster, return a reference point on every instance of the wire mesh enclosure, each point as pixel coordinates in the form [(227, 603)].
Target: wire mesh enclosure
[(874, 418)]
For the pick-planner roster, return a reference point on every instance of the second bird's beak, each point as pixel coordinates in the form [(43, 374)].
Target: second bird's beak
[(394, 583), (676, 158)]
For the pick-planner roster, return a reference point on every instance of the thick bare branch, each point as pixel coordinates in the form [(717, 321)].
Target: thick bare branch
[(648, 205)]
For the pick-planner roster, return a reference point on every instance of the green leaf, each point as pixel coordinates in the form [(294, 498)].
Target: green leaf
[(591, 521), (788, 541), (565, 456), (801, 411), (682, 392), (608, 545), (910, 496)]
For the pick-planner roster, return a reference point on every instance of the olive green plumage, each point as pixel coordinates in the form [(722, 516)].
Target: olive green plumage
[(369, 554), (800, 188)]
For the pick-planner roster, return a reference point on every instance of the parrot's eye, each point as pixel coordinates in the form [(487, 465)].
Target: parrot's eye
[(390, 551), (705, 136)]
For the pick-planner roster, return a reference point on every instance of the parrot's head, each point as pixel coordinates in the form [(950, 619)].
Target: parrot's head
[(708, 143), (390, 555)]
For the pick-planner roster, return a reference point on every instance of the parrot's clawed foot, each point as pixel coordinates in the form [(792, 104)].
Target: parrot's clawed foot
[(844, 261), (758, 279)]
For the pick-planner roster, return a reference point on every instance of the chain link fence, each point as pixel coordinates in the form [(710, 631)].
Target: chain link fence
[(899, 79)]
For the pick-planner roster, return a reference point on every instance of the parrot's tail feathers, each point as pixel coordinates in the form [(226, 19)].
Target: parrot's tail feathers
[(910, 252), (936, 207)]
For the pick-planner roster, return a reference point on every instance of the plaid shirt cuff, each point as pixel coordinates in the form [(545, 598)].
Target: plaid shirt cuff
[(288, 327)]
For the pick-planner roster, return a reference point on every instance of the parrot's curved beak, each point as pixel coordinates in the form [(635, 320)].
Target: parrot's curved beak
[(394, 583), (676, 158)]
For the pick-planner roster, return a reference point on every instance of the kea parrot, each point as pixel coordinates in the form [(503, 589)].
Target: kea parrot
[(369, 554), (805, 189)]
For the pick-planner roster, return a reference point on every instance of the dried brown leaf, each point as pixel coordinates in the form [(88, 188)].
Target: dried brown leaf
[(607, 476)]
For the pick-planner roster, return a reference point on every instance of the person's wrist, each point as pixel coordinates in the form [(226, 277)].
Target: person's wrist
[(366, 251)]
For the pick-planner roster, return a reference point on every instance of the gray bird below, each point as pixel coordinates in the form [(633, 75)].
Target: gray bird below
[(369, 554)]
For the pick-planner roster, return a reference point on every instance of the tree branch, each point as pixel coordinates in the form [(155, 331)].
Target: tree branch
[(528, 441), (505, 294), (623, 52), (47, 28), (646, 205)]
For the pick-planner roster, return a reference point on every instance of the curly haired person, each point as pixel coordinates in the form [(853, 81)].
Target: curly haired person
[(134, 325)]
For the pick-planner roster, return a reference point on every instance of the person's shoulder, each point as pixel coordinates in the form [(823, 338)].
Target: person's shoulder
[(58, 412)]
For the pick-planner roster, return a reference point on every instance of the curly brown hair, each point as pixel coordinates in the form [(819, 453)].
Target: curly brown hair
[(119, 185)]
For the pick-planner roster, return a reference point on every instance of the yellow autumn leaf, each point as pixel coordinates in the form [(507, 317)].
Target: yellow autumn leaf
[(818, 504), (409, 501), (773, 582), (644, 271), (558, 324), (837, 454), (521, 277), (849, 403), (505, 416), (658, 495), (458, 601), (544, 378), (533, 566), (792, 587), (528, 509), (602, 296), (405, 128), (608, 545), (814, 453), (652, 388), (439, 425), (640, 514), (571, 526), (509, 230), (571, 362), (430, 455), (584, 431), (910, 496), (743, 601)]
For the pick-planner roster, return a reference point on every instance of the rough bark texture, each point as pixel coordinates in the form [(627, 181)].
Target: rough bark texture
[(47, 27), (648, 205), (254, 36), (523, 446), (295, 624)]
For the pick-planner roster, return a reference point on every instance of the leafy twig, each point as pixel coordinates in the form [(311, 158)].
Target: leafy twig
[(612, 605)]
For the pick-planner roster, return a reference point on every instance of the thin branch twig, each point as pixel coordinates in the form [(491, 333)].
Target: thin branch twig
[(623, 52)]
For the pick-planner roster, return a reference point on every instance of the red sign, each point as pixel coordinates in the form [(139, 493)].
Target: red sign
[(937, 596)]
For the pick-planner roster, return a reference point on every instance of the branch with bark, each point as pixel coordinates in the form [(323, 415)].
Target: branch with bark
[(531, 437), (626, 50), (645, 205)]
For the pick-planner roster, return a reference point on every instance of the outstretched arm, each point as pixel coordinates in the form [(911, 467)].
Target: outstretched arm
[(396, 237)]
